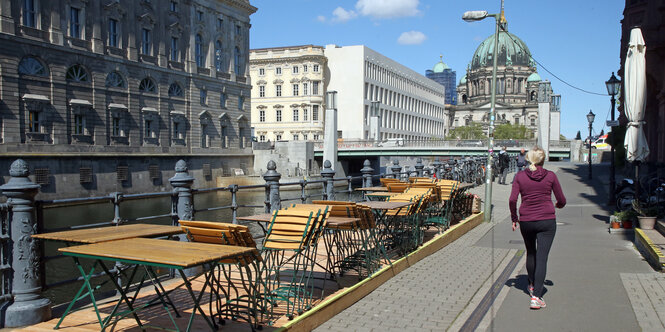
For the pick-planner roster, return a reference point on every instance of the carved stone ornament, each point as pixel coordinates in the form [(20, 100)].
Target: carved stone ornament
[(114, 9), (147, 20), (181, 166), (175, 29), (19, 168), (27, 250)]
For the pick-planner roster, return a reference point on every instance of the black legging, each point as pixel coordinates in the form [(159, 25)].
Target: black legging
[(538, 237)]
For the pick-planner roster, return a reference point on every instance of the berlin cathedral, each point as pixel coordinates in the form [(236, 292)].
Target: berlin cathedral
[(518, 88)]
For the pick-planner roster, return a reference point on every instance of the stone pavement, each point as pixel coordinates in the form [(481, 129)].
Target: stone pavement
[(596, 281)]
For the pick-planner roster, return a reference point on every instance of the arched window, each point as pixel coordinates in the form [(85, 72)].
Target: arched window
[(31, 66), (115, 80), (199, 51), (175, 90), (77, 73), (236, 61), (218, 55), (532, 97), (147, 85)]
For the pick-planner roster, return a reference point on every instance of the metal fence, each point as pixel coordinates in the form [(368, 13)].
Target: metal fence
[(433, 143)]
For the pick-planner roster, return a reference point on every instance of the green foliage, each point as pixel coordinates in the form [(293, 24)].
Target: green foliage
[(625, 215), (472, 131), (644, 210), (561, 137), (512, 131)]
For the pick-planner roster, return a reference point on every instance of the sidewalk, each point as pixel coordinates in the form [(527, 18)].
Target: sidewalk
[(596, 281)]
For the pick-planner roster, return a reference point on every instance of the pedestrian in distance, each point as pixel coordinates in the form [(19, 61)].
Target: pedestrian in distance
[(504, 163), (536, 219), (521, 160)]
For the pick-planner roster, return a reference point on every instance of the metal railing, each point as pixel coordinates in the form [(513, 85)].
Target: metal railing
[(181, 203), (433, 143)]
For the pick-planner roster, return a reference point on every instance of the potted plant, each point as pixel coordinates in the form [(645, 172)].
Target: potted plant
[(647, 214), (615, 219)]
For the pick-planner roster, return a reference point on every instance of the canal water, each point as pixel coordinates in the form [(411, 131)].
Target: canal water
[(59, 268)]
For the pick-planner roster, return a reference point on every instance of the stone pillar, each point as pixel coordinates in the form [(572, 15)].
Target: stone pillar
[(97, 42), (29, 306), (330, 137), (182, 188), (396, 169), (328, 174), (272, 187), (544, 108), (367, 172), (419, 167)]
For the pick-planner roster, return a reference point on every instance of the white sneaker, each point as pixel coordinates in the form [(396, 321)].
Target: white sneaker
[(537, 303)]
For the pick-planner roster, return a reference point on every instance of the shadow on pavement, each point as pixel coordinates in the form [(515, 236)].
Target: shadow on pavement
[(521, 282)]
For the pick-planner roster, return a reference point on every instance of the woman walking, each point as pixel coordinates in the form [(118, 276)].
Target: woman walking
[(536, 220)]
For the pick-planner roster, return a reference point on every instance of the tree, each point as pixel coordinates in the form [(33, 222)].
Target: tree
[(472, 131), (578, 136), (512, 131), (561, 137)]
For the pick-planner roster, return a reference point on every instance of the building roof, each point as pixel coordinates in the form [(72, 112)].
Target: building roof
[(440, 66), (462, 80), (534, 78), (512, 52)]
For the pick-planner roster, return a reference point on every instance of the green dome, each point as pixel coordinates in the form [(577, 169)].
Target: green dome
[(462, 80), (512, 52), (534, 78), (440, 67)]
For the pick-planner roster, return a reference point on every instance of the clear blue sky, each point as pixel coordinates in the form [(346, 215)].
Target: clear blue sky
[(577, 40)]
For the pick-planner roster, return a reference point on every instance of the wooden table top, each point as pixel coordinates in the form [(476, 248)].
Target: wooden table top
[(267, 217), (110, 233), (373, 189), (159, 252), (382, 194), (380, 205)]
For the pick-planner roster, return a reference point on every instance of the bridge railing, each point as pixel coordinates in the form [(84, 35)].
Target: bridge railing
[(433, 143)]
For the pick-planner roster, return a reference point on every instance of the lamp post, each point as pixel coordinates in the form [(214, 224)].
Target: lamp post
[(590, 117), (472, 16), (613, 85)]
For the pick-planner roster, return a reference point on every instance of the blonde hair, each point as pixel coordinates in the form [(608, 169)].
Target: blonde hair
[(536, 156)]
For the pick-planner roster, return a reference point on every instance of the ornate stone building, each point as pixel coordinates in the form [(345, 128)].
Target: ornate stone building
[(517, 86), (105, 95), (288, 87)]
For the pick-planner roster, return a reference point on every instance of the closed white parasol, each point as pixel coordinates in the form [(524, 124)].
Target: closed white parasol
[(635, 87)]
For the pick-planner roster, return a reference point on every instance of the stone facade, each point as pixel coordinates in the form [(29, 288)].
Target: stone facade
[(105, 85), (517, 86), (287, 96)]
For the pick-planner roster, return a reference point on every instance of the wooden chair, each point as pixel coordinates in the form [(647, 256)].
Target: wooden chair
[(295, 231), (384, 181), (235, 304)]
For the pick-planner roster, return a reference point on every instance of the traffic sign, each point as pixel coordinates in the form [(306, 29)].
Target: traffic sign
[(614, 123)]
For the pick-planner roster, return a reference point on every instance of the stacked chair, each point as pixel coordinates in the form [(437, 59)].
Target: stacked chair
[(246, 304), (291, 242)]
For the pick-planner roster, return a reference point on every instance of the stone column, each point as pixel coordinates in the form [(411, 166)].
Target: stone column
[(182, 188), (97, 42), (29, 306), (544, 108), (272, 187), (396, 169), (328, 174), (367, 172), (330, 135), (419, 167)]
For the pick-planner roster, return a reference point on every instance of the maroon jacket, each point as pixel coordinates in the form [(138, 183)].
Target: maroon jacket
[(536, 189)]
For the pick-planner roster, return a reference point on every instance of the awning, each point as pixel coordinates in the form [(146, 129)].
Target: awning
[(150, 109), (79, 102), (114, 106), (34, 97)]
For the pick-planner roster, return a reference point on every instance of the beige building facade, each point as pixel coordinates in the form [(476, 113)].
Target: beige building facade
[(288, 89)]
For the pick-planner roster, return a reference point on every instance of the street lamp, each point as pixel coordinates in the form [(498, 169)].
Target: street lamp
[(590, 117), (613, 85), (472, 16)]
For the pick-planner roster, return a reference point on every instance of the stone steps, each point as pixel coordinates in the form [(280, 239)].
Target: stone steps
[(651, 244)]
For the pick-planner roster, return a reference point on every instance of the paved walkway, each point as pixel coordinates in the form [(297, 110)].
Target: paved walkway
[(596, 281)]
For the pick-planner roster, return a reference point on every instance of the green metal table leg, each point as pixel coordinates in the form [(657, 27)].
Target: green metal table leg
[(86, 284)]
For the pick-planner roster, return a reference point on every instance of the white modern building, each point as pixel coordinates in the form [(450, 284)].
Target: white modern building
[(288, 85), (411, 106)]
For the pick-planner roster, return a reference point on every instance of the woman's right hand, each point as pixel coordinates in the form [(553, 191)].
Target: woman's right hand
[(515, 225), (559, 205)]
